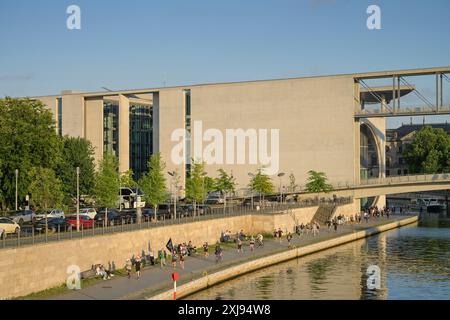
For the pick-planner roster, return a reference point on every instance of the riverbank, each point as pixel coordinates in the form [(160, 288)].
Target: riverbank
[(155, 282), (240, 269)]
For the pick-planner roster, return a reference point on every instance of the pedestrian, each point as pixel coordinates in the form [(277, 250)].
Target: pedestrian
[(366, 217), (206, 249), (162, 258), (174, 258), (289, 238), (137, 266), (335, 224), (252, 243), (275, 234), (182, 261), (128, 266), (387, 214), (280, 234), (218, 252), (1, 233), (239, 245)]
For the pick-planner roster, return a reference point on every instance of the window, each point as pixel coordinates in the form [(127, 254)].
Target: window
[(187, 110), (60, 116), (388, 173), (399, 172)]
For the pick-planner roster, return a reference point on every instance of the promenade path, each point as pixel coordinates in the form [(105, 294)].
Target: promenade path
[(155, 280)]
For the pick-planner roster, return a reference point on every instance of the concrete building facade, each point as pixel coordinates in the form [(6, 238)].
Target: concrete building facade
[(307, 123)]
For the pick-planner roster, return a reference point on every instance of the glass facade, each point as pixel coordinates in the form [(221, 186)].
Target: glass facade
[(141, 138), (369, 160), (111, 127), (187, 118), (60, 116)]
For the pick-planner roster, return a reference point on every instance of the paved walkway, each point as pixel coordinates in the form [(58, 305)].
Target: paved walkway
[(155, 280)]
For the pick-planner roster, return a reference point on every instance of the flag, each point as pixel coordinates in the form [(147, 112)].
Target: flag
[(169, 245)]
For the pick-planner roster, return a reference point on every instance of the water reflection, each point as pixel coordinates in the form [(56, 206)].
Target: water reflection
[(414, 263)]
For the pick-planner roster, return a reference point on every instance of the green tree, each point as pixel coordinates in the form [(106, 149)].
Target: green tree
[(45, 189), (195, 184), (318, 182), (292, 183), (76, 152), (225, 183), (153, 182), (261, 183), (127, 180), (28, 139), (106, 189), (429, 152)]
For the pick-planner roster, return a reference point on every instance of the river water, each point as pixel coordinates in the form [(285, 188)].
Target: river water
[(414, 263)]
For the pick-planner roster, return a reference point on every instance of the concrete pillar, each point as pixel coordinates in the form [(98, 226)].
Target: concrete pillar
[(94, 126), (73, 115), (124, 133)]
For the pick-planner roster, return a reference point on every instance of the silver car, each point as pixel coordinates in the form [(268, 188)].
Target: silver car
[(23, 216), (52, 213)]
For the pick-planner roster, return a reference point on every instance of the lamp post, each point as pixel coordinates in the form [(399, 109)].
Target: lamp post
[(173, 198), (252, 176), (78, 199), (17, 178), (280, 175)]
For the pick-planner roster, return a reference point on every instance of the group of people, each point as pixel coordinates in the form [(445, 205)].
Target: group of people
[(101, 271), (228, 236), (313, 227)]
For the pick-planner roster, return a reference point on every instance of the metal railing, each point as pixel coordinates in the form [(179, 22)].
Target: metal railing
[(407, 179), (28, 236)]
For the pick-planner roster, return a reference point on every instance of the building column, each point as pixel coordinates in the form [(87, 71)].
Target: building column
[(124, 133)]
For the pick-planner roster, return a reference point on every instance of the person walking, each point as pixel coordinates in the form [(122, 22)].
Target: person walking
[(239, 245), (252, 243), (128, 266), (206, 249), (137, 266), (218, 252), (289, 239), (162, 258), (174, 259), (182, 257), (280, 234), (335, 224)]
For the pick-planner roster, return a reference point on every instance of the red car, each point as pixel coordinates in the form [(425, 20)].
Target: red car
[(85, 222)]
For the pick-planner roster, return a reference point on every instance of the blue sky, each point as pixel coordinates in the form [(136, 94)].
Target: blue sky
[(138, 44)]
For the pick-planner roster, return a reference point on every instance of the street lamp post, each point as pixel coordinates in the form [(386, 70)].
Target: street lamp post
[(78, 199), (172, 174), (17, 178), (280, 175), (251, 175)]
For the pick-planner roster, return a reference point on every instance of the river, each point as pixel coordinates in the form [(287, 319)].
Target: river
[(414, 263)]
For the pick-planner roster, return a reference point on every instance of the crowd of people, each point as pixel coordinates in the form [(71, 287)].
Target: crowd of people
[(178, 253)]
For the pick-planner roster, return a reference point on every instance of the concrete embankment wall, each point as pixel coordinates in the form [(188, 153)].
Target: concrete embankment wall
[(29, 269), (240, 269)]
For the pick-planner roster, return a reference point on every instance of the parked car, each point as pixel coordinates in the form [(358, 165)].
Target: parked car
[(85, 221), (23, 216), (90, 212), (53, 225), (215, 198), (51, 213), (9, 226), (113, 216)]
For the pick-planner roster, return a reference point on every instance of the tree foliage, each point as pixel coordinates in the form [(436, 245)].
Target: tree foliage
[(225, 182), (153, 182), (261, 183), (106, 189), (318, 182), (45, 189), (127, 180), (429, 152), (76, 152), (195, 183), (292, 183), (28, 139)]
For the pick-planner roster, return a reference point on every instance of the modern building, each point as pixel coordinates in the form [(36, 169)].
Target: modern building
[(324, 123), (397, 141)]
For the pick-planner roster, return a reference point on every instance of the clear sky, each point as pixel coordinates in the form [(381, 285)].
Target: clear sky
[(139, 44)]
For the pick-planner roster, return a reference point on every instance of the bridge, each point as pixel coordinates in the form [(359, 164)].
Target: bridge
[(391, 185)]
